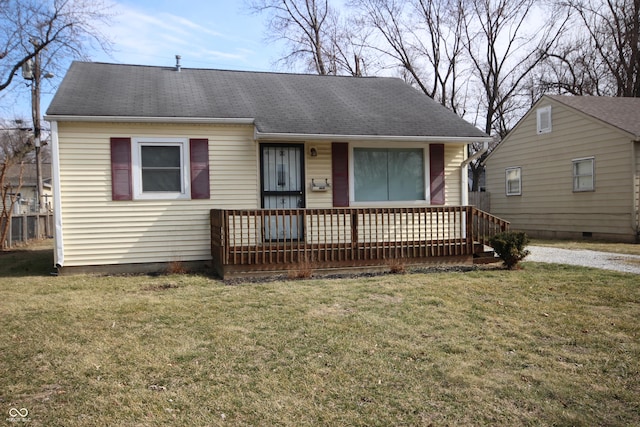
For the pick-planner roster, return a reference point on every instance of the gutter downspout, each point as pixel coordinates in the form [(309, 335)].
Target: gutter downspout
[(464, 174), (58, 241)]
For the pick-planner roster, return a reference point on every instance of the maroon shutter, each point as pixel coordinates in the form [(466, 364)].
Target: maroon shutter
[(121, 187), (340, 173), (199, 158), (436, 168)]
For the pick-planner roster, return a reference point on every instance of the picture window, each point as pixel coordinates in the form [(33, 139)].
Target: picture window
[(388, 174)]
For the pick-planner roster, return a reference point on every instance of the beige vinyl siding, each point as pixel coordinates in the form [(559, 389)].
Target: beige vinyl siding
[(318, 168), (98, 230), (548, 205), (453, 157)]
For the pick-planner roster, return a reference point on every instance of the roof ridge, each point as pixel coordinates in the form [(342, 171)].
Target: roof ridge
[(281, 73)]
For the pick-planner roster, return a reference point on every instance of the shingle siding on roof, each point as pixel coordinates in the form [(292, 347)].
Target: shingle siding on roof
[(28, 173), (279, 103)]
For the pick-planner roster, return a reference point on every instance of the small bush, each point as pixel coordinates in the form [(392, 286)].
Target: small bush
[(510, 247), (304, 270), (176, 267), (396, 266)]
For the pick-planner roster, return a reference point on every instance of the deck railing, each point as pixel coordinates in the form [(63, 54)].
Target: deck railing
[(268, 239)]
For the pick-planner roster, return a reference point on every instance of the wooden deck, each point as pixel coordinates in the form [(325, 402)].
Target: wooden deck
[(268, 240)]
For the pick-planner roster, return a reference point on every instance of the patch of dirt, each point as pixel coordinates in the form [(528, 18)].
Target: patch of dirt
[(409, 270), (160, 287)]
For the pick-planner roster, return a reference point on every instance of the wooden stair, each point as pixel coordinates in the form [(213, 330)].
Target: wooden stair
[(484, 254)]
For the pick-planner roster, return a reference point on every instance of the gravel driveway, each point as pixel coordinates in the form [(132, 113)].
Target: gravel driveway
[(586, 258)]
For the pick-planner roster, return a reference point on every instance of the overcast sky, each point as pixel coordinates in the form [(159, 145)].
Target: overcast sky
[(205, 33)]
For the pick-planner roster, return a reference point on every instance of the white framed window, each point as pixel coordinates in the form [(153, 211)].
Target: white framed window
[(383, 174), (513, 180), (160, 168), (544, 119), (584, 174)]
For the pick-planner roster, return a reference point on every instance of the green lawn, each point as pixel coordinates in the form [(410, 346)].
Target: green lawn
[(545, 345)]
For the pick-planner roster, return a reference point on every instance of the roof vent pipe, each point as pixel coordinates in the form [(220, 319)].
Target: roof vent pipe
[(178, 66)]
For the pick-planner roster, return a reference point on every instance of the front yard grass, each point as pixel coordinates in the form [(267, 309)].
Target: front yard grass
[(546, 345)]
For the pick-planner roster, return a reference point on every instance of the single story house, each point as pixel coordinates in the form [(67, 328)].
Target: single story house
[(571, 169), (26, 197), (254, 171)]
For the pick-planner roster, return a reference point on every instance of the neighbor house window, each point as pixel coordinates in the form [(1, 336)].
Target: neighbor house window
[(388, 174), (544, 119), (583, 174), (161, 168), (514, 181)]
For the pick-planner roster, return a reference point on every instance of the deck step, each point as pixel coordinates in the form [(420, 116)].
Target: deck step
[(485, 257)]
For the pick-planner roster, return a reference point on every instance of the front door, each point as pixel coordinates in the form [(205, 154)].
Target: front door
[(282, 171)]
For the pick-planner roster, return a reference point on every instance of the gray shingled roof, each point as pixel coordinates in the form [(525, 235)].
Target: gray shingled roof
[(29, 174), (623, 113), (278, 102)]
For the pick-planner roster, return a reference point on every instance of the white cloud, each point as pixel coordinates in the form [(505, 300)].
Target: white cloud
[(153, 37)]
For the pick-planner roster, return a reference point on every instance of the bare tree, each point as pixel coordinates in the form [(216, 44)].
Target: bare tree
[(602, 54), (441, 21), (571, 69), (614, 30), (387, 18), (55, 29), (347, 47), (302, 24), (15, 145), (505, 46), (423, 38)]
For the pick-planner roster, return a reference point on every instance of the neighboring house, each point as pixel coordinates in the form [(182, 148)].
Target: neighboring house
[(26, 202), (571, 169), (154, 165)]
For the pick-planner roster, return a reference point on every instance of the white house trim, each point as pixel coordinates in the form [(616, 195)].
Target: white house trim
[(58, 250), (260, 136), (140, 119)]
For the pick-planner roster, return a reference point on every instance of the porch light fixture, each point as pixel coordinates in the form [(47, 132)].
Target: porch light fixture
[(313, 151)]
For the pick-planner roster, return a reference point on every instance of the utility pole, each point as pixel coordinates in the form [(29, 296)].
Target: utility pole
[(33, 71), (35, 111)]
